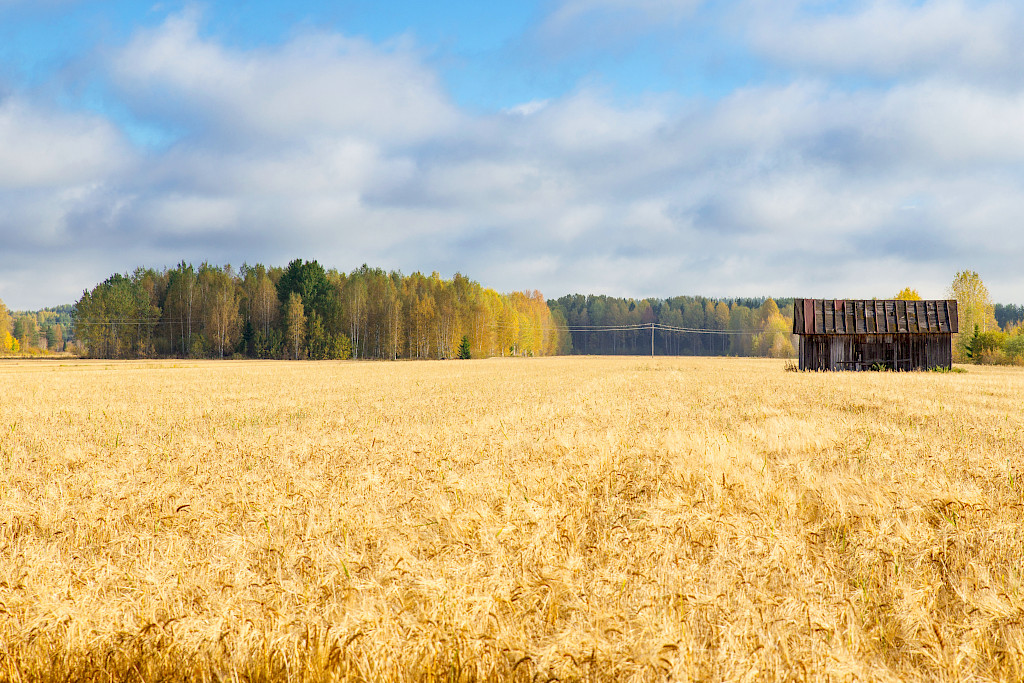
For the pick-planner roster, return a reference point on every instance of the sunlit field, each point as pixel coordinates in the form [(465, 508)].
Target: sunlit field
[(622, 519)]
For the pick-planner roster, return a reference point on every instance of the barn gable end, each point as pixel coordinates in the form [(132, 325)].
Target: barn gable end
[(858, 334)]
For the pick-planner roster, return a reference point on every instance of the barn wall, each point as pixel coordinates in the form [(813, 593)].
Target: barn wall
[(861, 351)]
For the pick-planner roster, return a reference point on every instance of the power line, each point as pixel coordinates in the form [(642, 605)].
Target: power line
[(631, 327), (636, 327)]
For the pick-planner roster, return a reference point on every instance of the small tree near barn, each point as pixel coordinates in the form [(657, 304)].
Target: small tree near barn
[(975, 307), (908, 294)]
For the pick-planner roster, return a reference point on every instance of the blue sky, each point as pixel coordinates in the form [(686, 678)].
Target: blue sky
[(636, 148)]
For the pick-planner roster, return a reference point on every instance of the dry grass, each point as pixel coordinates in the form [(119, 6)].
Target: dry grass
[(591, 519)]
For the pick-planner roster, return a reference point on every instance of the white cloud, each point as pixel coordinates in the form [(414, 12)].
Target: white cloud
[(588, 25), (317, 83), (896, 38), (528, 108), (41, 147), (585, 121)]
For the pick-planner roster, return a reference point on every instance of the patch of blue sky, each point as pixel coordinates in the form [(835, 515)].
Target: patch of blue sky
[(694, 59), (47, 46), (463, 27), (35, 44), (148, 135), (821, 8), (38, 39)]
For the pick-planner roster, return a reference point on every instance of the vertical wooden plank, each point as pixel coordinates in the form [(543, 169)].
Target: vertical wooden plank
[(954, 318), (808, 316)]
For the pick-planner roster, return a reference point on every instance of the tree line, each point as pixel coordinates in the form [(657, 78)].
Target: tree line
[(1008, 315), (34, 331), (683, 325), (305, 311)]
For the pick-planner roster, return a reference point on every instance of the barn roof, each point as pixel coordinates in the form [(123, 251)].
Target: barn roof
[(874, 316)]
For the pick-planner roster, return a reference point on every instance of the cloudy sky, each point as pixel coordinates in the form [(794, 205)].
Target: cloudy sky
[(627, 147)]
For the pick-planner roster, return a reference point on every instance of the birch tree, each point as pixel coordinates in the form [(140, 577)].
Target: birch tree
[(974, 307), (295, 325)]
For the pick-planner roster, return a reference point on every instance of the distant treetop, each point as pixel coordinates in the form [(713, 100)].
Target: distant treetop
[(908, 294)]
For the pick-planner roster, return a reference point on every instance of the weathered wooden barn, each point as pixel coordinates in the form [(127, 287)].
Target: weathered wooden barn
[(861, 334)]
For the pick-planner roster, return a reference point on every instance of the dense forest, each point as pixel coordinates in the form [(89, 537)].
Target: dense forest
[(304, 311), (1008, 316)]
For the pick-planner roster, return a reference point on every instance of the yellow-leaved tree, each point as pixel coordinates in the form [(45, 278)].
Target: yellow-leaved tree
[(974, 307), (7, 342), (774, 339), (908, 294)]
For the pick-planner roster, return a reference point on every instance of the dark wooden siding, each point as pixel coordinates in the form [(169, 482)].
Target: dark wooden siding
[(863, 351)]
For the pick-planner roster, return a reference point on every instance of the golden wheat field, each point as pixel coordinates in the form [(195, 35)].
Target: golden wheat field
[(593, 519)]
